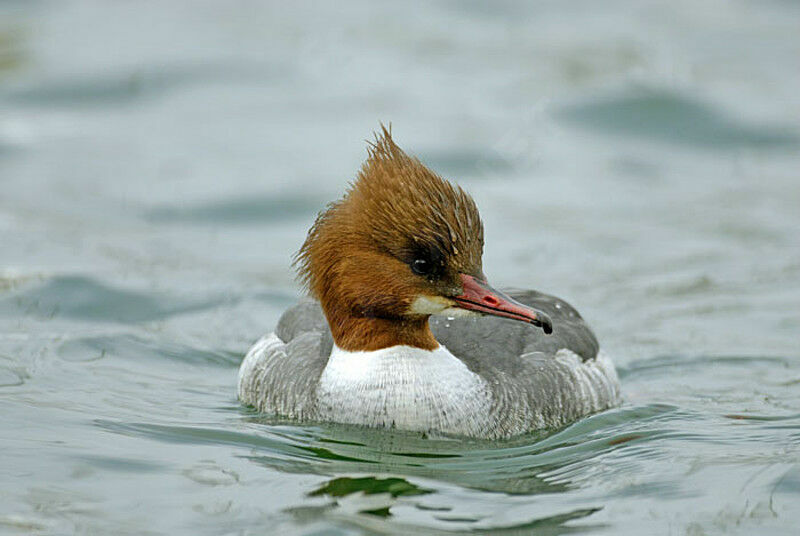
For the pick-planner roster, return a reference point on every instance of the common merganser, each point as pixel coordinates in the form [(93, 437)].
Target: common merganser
[(401, 245)]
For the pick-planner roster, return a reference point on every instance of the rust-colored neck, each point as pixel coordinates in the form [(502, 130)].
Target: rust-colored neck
[(354, 334)]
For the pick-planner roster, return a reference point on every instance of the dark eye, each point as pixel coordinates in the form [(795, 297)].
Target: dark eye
[(421, 266), (425, 260)]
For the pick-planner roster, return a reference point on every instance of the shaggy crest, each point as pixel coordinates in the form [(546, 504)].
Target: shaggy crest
[(396, 207)]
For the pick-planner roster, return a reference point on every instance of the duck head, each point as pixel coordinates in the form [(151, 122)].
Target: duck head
[(401, 245)]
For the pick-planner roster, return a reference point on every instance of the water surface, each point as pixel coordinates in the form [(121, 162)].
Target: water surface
[(161, 162)]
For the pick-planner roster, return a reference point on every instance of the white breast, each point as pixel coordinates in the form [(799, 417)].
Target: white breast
[(404, 387)]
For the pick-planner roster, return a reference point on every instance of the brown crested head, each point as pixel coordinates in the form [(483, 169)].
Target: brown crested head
[(400, 245), (400, 232)]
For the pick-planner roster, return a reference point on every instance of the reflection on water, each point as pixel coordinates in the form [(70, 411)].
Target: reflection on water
[(515, 466), (639, 160), (545, 465), (392, 487)]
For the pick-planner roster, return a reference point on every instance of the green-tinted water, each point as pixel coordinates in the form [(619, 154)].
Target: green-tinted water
[(160, 163)]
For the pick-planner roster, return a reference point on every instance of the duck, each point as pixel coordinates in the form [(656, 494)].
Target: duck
[(401, 329)]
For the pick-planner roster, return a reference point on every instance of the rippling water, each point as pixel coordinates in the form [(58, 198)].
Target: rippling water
[(160, 163)]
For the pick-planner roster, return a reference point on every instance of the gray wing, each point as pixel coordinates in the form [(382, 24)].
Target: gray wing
[(532, 388), (495, 340), (280, 373), (304, 318)]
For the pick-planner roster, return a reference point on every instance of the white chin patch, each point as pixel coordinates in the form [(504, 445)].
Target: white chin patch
[(437, 305), (429, 305), (458, 312)]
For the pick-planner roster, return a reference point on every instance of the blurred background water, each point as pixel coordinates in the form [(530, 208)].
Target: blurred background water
[(161, 161)]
